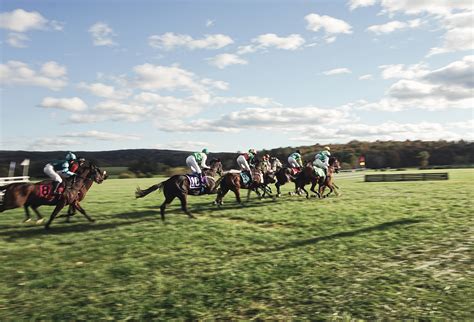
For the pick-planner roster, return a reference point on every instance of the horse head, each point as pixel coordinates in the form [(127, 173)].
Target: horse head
[(333, 162), (91, 171), (216, 165)]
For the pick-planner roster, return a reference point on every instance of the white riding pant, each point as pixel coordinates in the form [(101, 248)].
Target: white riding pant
[(243, 164), (192, 163), (49, 170), (320, 164), (293, 163)]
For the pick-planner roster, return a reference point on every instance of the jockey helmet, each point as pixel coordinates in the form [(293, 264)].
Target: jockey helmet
[(205, 150), (327, 148), (70, 156), (252, 151), (298, 151)]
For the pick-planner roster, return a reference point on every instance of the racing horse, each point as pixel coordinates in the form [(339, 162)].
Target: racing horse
[(180, 186), (34, 195), (328, 180), (235, 180)]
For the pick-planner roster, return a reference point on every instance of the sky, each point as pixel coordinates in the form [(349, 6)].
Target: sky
[(96, 75)]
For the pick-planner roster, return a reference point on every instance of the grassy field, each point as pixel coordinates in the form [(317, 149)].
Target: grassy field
[(379, 251)]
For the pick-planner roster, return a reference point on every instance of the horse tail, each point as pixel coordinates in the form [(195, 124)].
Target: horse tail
[(139, 193), (218, 182)]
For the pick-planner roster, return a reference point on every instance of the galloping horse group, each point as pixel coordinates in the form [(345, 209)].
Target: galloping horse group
[(179, 186), (33, 195)]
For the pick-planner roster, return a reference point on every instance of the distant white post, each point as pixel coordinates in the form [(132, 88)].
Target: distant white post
[(26, 165), (11, 171)]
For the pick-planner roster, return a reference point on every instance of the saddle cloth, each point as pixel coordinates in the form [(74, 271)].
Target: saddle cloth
[(45, 190), (194, 182)]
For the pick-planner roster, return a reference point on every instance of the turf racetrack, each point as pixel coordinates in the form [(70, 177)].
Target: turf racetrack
[(379, 251)]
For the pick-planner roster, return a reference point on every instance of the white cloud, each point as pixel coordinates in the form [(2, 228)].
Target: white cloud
[(329, 24), (292, 42), (103, 136), (223, 60), (400, 71), (366, 77), (420, 88), (250, 100), (337, 71), (102, 34), (459, 35), (209, 23), (53, 69), (156, 77), (353, 4), (70, 104), (283, 118), (391, 26), (103, 90), (171, 40), (20, 20), (51, 144), (51, 75), (17, 40)]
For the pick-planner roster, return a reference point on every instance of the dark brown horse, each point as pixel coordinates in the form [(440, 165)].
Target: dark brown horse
[(179, 186), (233, 181), (38, 194), (283, 176)]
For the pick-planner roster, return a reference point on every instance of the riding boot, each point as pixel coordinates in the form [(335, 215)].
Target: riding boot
[(55, 187), (202, 181)]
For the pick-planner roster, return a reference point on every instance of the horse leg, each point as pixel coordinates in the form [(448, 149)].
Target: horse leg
[(56, 210), (39, 218), (220, 195), (236, 191), (184, 205), (27, 214), (277, 185), (82, 211), (313, 185), (167, 201)]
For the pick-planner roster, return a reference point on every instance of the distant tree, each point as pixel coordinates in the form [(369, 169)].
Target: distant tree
[(144, 165), (424, 157)]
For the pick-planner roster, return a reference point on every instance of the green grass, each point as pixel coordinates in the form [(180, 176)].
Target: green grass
[(379, 251)]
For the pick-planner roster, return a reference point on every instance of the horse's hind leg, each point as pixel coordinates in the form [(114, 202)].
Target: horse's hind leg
[(56, 210), (39, 218), (184, 205), (27, 214), (167, 201)]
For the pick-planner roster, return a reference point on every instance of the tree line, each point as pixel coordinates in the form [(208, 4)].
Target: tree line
[(378, 154)]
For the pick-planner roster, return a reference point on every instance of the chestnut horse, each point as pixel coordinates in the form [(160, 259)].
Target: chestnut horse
[(179, 186)]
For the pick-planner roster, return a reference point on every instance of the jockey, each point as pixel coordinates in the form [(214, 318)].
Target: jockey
[(75, 164), (266, 165), (193, 160), (275, 164), (56, 168), (295, 160), (321, 160), (247, 160)]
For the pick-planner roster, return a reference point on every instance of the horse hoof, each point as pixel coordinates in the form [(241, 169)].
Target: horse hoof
[(40, 221)]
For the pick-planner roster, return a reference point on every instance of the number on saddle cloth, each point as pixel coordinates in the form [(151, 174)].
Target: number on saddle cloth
[(194, 181), (45, 190), (245, 177)]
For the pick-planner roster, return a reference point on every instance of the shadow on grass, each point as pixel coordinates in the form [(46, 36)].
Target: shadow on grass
[(58, 228), (315, 240)]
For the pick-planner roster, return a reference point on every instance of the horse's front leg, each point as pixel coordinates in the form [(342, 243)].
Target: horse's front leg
[(313, 185), (55, 212), (82, 211)]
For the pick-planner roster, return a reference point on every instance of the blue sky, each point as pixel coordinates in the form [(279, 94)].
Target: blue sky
[(233, 75)]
